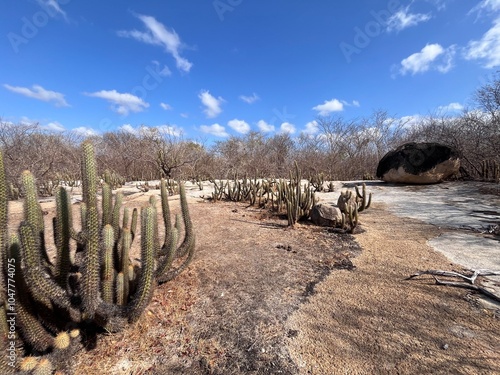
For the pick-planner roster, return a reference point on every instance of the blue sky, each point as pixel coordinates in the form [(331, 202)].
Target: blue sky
[(213, 68)]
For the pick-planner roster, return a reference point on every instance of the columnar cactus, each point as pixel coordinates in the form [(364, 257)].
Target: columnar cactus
[(92, 284)]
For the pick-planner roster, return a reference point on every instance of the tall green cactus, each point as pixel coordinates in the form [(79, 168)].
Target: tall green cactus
[(63, 223), (361, 198), (146, 280), (96, 284)]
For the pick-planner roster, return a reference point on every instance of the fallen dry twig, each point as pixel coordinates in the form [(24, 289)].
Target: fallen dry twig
[(470, 280)]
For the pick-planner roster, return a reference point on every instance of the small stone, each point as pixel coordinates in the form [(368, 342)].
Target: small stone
[(445, 347)]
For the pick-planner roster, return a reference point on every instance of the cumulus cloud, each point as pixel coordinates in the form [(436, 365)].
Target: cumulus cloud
[(158, 34), (487, 48), (264, 127), (127, 128), (403, 19), (54, 126), (250, 99), (240, 126), (211, 103), (172, 130), (311, 128), (432, 56), (452, 107), (411, 120), (214, 129), (121, 103), (329, 106), (287, 128), (85, 131), (38, 92)]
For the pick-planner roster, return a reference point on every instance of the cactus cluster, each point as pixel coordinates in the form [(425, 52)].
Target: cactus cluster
[(238, 190), (113, 179), (282, 196), (351, 204), (92, 282), (317, 181)]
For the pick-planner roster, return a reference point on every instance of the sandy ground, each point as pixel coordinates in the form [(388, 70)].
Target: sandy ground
[(372, 321), (260, 298)]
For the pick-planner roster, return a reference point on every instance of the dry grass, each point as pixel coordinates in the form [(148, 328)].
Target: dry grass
[(261, 298)]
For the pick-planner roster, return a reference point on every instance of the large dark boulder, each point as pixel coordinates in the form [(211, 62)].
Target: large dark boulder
[(418, 163)]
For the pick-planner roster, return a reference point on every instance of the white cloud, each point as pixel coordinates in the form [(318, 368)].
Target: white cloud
[(452, 107), (211, 103), (403, 19), (162, 71), (27, 121), (85, 131), (486, 5), (311, 128), (54, 126), (250, 99), (239, 125), (354, 103), (51, 5), (38, 92), (329, 106), (487, 48), (172, 130), (411, 120), (214, 129), (122, 103), (128, 129), (265, 127), (431, 56), (288, 128), (165, 106), (439, 4), (184, 115), (158, 34)]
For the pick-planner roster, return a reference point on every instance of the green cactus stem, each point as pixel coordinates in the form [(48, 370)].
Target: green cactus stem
[(41, 287), (109, 270), (147, 281), (186, 249), (121, 295), (107, 201), (62, 235), (361, 198), (90, 281)]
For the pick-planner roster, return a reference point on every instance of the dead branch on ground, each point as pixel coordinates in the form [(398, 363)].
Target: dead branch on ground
[(469, 279)]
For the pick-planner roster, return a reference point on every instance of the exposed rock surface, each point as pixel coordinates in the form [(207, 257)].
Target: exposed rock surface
[(325, 215), (418, 163)]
